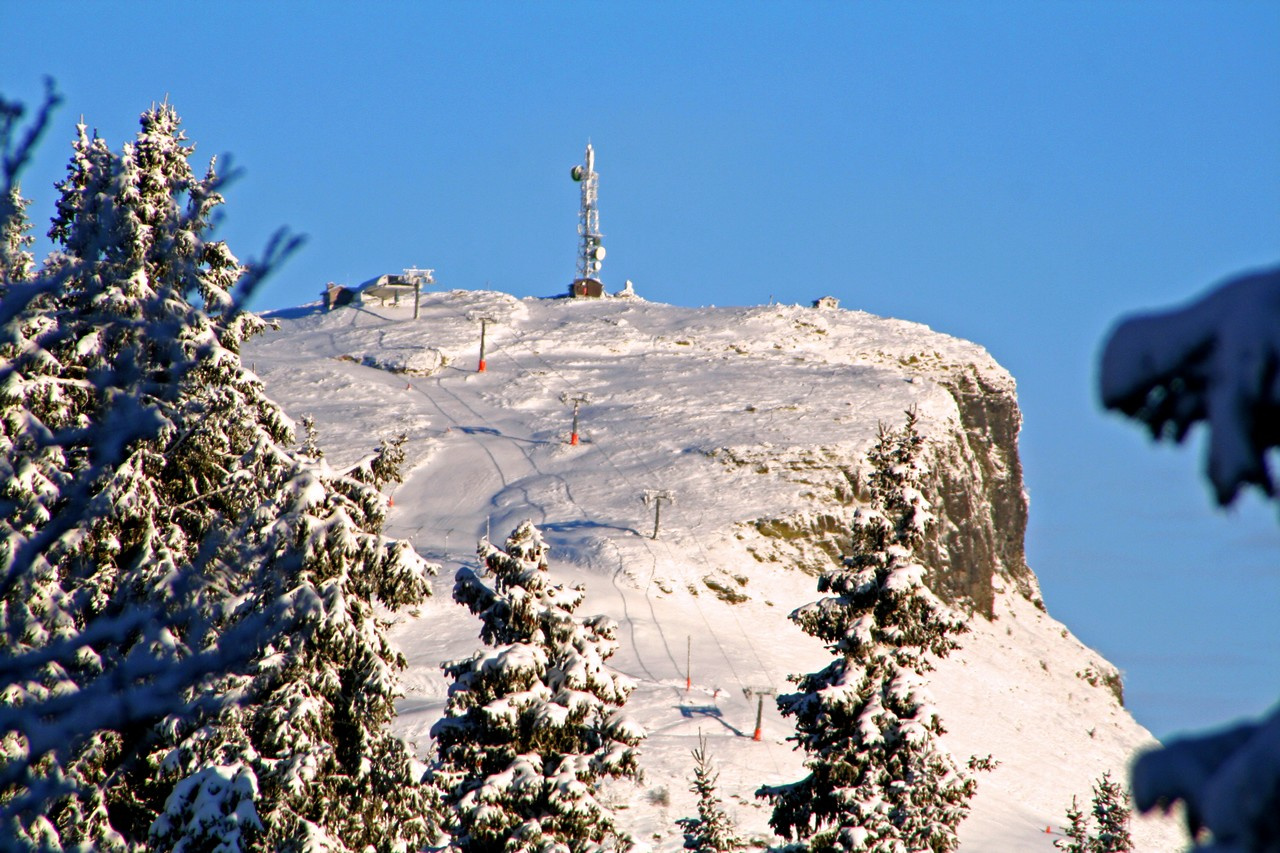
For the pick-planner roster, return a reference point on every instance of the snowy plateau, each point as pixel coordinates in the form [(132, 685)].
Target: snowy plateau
[(755, 420)]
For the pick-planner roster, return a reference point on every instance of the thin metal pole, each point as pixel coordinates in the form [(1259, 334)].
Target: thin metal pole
[(417, 293), (759, 715), (483, 324), (576, 400), (656, 497), (688, 657)]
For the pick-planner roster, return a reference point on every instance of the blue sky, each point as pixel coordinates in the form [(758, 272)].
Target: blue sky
[(1019, 174)]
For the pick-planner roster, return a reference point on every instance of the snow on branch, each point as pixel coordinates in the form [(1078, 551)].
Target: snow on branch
[(1229, 782), (1216, 360)]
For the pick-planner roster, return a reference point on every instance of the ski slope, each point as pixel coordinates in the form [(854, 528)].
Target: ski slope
[(673, 392)]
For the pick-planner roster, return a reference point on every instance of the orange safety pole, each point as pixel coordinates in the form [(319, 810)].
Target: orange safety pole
[(759, 715), (688, 656), (483, 323)]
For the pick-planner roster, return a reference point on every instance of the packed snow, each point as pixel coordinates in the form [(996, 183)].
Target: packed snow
[(675, 394)]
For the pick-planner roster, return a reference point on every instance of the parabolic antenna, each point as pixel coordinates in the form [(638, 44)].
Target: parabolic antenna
[(576, 173), (598, 254)]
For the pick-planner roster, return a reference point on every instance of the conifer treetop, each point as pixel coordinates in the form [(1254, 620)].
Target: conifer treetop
[(877, 777), (533, 723)]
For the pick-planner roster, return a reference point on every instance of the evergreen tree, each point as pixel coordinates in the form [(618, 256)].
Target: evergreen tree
[(16, 262), (1111, 812), (534, 723), (878, 779), (156, 520), (1076, 834), (712, 830)]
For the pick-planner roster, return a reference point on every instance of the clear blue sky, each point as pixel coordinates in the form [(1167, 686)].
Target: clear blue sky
[(1019, 174)]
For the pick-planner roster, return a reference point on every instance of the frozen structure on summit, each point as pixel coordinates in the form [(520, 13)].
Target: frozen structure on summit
[(590, 240)]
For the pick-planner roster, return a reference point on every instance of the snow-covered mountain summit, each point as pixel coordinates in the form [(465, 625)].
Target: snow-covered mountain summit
[(754, 421)]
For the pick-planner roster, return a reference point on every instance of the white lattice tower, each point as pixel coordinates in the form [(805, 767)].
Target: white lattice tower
[(590, 240)]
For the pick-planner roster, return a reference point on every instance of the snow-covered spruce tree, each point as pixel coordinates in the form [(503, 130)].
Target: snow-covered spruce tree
[(91, 368), (534, 723), (16, 261), (146, 472), (1111, 812), (878, 779), (312, 731), (711, 831), (16, 147)]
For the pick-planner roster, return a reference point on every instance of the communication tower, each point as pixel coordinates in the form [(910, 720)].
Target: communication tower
[(590, 240)]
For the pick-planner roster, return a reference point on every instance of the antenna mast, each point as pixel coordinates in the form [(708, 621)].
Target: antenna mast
[(590, 240)]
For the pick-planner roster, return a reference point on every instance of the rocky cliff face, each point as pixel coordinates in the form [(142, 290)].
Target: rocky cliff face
[(982, 505), (977, 545)]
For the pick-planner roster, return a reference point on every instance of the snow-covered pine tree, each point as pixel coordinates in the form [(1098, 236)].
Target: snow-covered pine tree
[(1110, 830), (1111, 811), (83, 403), (878, 778), (712, 830), (155, 520), (1076, 833), (16, 261), (533, 724), (313, 730)]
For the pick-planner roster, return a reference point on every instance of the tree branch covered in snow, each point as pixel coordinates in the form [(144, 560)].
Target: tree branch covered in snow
[(1228, 781), (1216, 360)]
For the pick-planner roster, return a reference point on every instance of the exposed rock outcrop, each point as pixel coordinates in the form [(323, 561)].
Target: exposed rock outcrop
[(977, 543)]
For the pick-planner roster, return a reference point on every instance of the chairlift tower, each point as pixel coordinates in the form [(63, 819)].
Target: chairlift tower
[(590, 240)]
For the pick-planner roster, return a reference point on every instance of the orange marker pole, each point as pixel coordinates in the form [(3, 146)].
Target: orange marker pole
[(483, 324)]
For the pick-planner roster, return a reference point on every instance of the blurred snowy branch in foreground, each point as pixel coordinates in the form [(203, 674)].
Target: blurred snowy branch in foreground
[(1229, 782), (1216, 360)]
